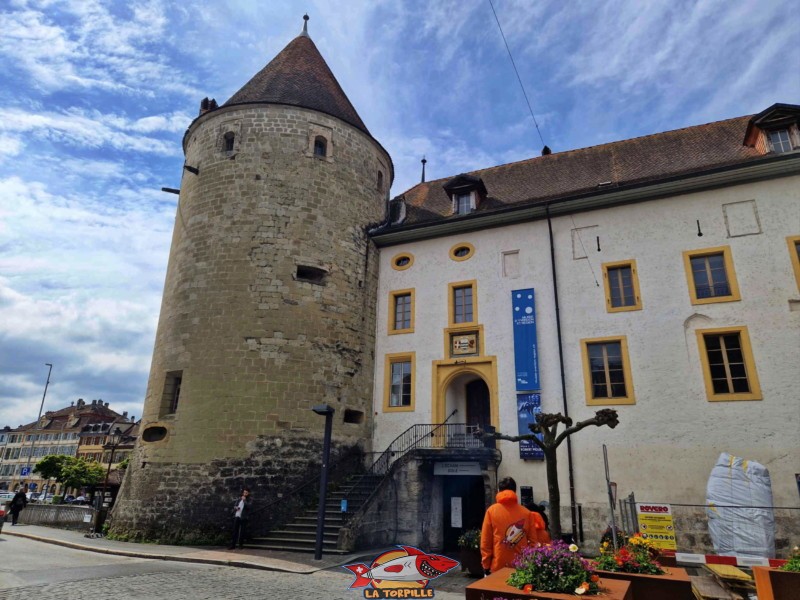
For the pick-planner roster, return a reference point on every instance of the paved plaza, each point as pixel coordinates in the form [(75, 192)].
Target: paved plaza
[(32, 568)]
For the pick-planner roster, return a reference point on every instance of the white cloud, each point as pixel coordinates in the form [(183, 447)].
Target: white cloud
[(98, 50), (9, 146), (94, 129)]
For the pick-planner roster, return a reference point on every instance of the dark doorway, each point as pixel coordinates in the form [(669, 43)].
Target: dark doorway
[(473, 506), (478, 403)]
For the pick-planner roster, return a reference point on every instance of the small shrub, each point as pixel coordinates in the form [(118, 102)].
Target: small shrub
[(470, 540), (794, 561), (637, 555)]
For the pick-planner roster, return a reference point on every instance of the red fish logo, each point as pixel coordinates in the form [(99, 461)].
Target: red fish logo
[(408, 567)]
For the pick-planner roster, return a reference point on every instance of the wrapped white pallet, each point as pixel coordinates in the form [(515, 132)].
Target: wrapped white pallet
[(739, 508)]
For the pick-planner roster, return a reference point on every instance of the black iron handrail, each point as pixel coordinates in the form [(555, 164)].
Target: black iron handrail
[(421, 436)]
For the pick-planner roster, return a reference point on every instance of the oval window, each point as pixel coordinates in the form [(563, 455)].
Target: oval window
[(154, 434), (401, 262), (462, 251)]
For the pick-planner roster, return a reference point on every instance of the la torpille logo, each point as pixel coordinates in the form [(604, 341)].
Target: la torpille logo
[(402, 573)]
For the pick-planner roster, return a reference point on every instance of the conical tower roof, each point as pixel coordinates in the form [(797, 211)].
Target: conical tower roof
[(299, 76)]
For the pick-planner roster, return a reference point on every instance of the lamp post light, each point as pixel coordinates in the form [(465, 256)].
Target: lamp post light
[(38, 419), (327, 411), (113, 440)]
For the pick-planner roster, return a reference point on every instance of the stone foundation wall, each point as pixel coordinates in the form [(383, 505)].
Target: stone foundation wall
[(192, 503), (691, 525), (407, 507)]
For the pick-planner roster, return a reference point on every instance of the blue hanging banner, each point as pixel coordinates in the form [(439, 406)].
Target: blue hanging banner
[(528, 406), (526, 352)]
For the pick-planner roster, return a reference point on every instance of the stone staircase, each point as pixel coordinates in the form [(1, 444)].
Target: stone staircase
[(300, 535)]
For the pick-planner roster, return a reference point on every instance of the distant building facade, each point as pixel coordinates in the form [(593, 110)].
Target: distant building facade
[(57, 432)]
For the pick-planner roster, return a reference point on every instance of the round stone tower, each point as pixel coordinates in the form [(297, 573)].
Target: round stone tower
[(268, 306)]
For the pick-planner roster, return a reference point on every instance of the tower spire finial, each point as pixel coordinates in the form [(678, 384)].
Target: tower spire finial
[(305, 25), (423, 161)]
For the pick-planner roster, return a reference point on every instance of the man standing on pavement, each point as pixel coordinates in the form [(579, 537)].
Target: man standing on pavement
[(19, 502), (241, 512), (508, 527)]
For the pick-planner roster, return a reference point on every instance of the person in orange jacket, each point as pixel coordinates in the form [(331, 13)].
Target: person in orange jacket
[(508, 527)]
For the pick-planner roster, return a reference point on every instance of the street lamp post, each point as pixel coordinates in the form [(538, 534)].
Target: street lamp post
[(39, 418), (113, 441), (327, 411)]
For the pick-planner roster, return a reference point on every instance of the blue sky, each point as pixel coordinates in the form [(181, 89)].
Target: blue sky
[(95, 97)]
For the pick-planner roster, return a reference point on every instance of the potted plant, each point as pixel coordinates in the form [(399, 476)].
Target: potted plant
[(469, 543), (779, 583), (554, 571), (635, 561)]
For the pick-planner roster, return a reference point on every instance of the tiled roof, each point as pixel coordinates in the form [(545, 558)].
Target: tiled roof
[(564, 174), (299, 76), (86, 413)]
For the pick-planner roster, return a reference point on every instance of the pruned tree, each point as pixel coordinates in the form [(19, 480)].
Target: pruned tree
[(78, 473), (545, 434), (50, 467)]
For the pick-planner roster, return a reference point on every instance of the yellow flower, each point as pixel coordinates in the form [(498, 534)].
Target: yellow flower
[(573, 548)]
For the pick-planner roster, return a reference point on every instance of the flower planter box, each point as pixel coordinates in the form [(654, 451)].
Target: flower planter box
[(675, 584), (471, 561), (774, 584), (495, 586)]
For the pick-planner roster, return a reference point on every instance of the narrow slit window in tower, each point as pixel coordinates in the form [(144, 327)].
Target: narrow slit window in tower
[(311, 274), (320, 146), (229, 139), (172, 391)]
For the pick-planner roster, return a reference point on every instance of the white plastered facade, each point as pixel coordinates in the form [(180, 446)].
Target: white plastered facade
[(668, 441)]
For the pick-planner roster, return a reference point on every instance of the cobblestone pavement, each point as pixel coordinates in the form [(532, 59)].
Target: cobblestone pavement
[(33, 569)]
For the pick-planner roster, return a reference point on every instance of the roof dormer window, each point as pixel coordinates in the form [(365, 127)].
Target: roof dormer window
[(774, 130), (462, 204), (466, 193), (779, 141)]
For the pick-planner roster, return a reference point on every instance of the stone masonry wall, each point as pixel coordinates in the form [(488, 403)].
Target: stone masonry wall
[(169, 507), (256, 342), (691, 526)]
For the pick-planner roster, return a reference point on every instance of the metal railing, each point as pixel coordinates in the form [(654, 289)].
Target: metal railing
[(437, 436), (746, 529), (58, 515)]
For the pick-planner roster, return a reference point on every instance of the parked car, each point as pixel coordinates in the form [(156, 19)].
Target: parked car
[(6, 497), (39, 497), (69, 499)]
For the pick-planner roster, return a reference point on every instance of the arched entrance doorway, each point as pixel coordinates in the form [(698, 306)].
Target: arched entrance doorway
[(468, 387), (478, 405), (464, 495)]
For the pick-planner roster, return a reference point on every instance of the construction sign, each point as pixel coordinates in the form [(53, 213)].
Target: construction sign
[(655, 524)]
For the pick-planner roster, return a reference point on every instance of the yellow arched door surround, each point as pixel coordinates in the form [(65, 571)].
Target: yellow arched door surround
[(445, 371)]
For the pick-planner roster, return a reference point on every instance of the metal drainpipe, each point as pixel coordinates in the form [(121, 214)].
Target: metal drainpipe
[(572, 502)]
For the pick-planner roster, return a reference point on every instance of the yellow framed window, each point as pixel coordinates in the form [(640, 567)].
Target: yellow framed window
[(621, 283), (710, 275), (462, 251), (463, 302), (607, 371), (402, 261), (794, 254), (399, 382), (401, 311), (729, 370)]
